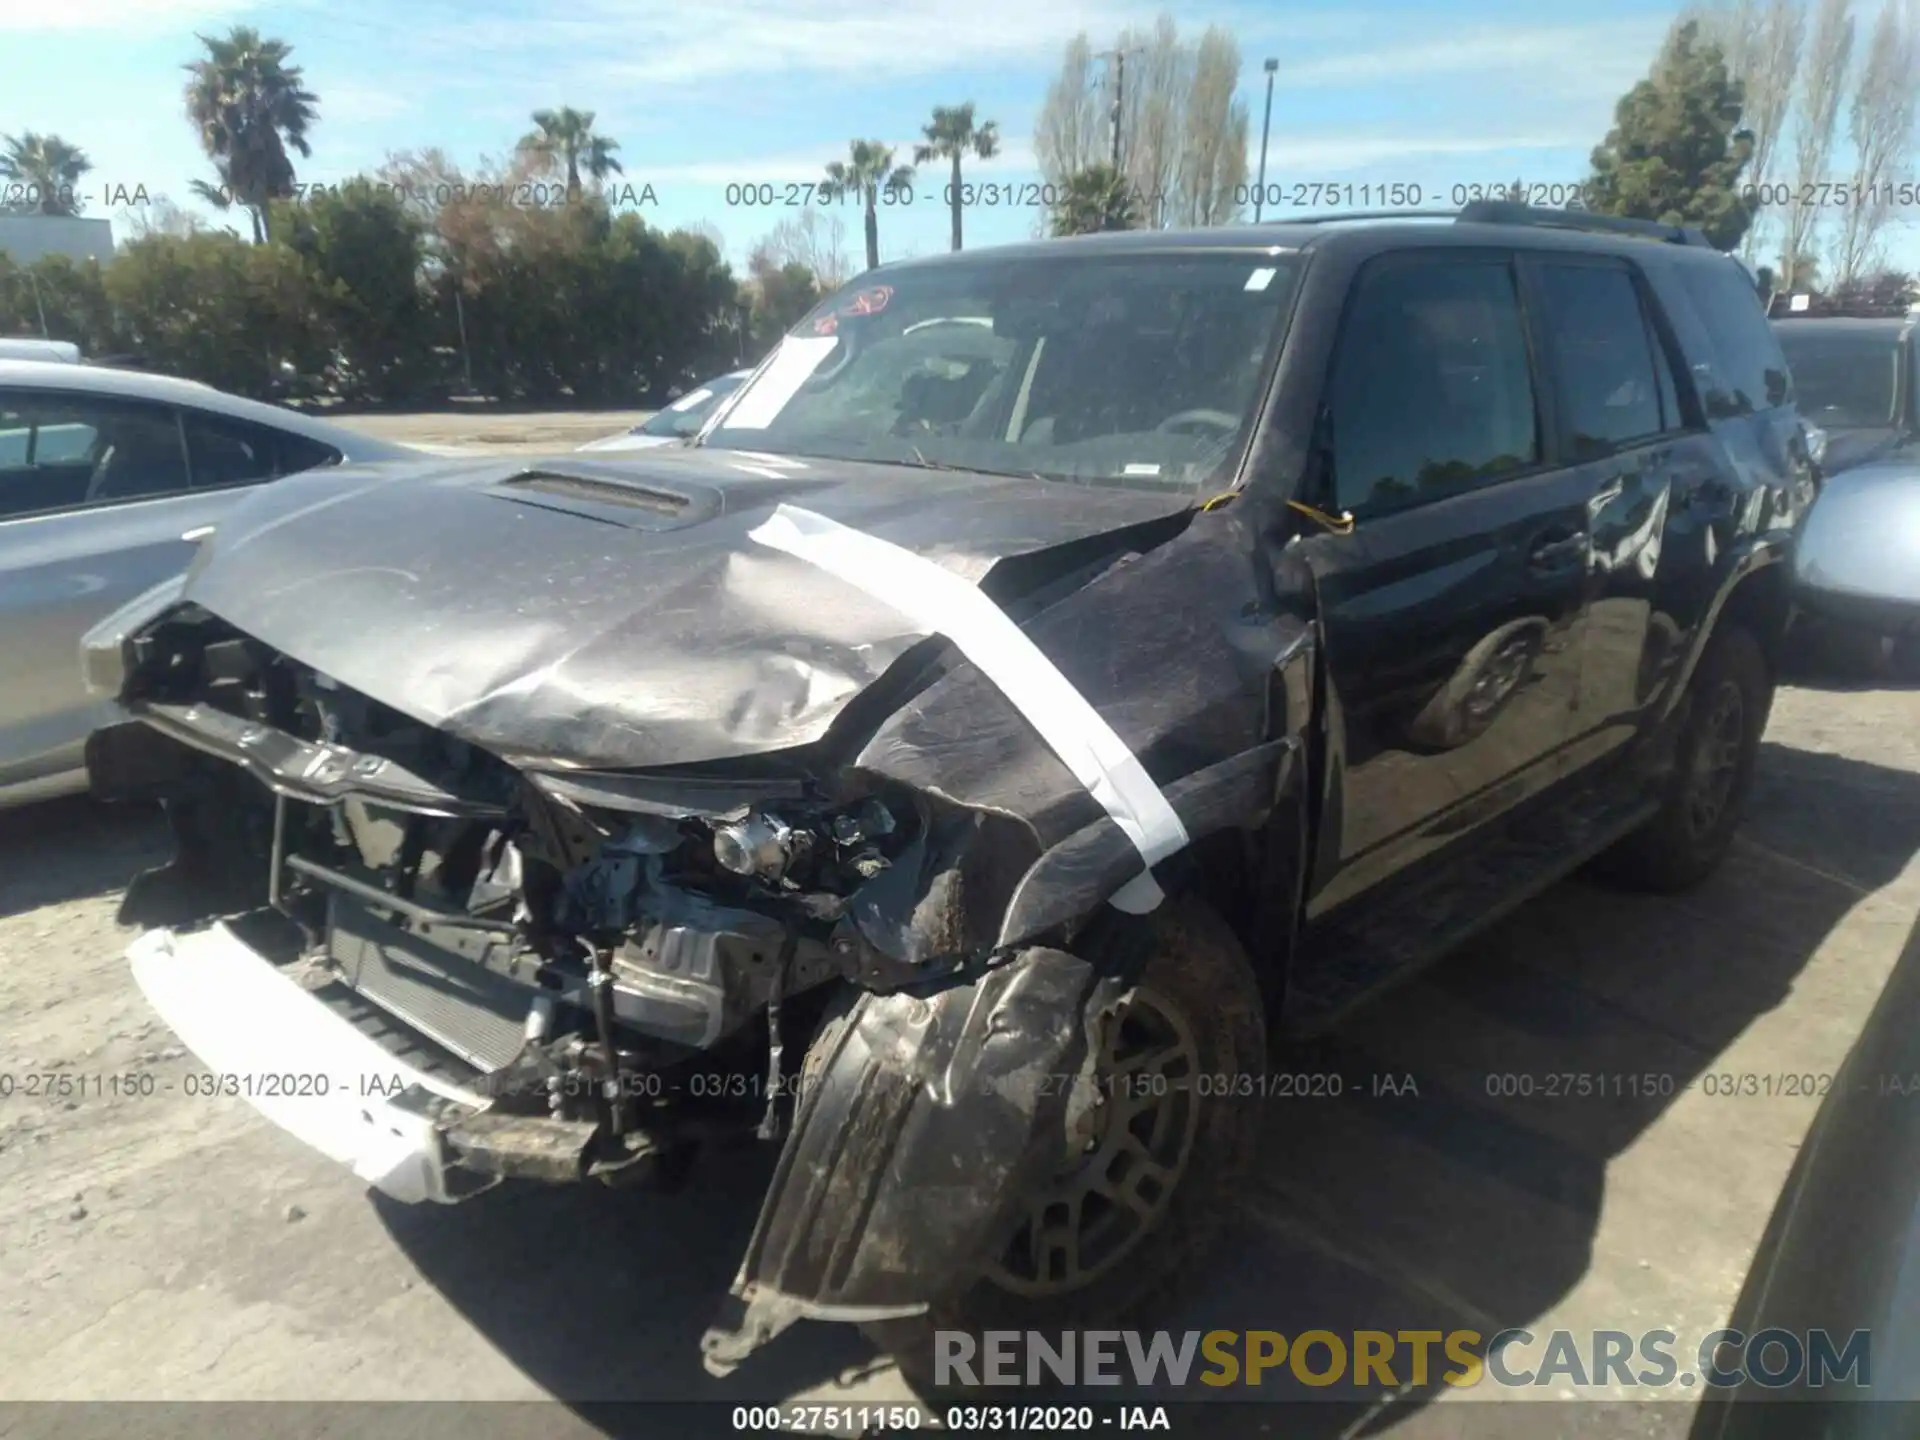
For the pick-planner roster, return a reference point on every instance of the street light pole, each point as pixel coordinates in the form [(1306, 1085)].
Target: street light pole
[(1266, 122)]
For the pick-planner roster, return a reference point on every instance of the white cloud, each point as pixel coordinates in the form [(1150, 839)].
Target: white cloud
[(350, 104), (1605, 52), (116, 16), (652, 43)]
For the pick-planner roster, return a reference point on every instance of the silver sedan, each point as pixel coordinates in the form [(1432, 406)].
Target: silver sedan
[(107, 479), (1857, 562)]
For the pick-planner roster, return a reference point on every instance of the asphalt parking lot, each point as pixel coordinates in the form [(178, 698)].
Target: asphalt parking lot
[(166, 1247)]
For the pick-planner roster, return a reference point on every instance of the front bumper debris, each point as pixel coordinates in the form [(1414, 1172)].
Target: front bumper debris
[(304, 1067)]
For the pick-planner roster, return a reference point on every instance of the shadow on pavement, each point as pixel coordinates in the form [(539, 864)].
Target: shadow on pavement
[(1452, 1182), (95, 847)]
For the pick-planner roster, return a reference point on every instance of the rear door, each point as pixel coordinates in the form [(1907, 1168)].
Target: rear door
[(1626, 433), (96, 497), (1453, 611)]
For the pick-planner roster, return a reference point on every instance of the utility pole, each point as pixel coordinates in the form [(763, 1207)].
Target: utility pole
[(1118, 60), (1266, 121)]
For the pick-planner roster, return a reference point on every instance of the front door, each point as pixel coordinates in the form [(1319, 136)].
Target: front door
[(97, 496), (1453, 611)]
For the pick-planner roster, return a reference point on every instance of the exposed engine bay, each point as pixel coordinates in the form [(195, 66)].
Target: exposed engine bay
[(610, 967)]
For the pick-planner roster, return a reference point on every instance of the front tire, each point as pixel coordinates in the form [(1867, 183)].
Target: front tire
[(1728, 701), (1151, 1168)]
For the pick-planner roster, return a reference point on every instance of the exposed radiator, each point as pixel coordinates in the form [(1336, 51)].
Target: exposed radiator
[(474, 1012)]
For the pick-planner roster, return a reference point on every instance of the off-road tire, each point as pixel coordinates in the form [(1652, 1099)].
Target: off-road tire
[(1192, 960), (1677, 850)]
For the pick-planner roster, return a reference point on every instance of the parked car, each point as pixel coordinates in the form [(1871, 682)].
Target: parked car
[(1857, 566), (1839, 1256), (59, 351), (960, 763), (680, 421), (106, 477)]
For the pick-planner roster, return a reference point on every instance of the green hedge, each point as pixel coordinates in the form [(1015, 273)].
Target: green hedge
[(354, 298)]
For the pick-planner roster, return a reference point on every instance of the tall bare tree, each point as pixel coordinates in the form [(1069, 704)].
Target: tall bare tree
[(1880, 123), (1067, 136), (1762, 42), (1823, 86), (814, 239), (1183, 136), (1214, 154), (1159, 73)]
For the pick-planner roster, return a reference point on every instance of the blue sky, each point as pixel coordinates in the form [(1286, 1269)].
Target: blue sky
[(701, 95)]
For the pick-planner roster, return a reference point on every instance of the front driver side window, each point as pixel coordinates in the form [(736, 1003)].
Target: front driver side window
[(1430, 392)]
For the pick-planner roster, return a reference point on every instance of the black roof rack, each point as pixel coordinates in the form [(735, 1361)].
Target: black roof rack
[(1511, 212)]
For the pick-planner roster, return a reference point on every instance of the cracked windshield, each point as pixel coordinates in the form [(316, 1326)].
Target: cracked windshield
[(854, 717)]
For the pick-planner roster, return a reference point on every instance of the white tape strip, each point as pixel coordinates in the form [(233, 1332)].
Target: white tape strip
[(941, 602)]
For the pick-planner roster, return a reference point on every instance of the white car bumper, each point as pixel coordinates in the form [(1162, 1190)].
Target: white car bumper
[(304, 1067)]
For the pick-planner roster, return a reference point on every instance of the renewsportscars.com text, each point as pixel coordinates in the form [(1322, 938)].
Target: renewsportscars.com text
[(1597, 1359)]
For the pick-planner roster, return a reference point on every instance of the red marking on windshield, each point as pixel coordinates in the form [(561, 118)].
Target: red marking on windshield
[(868, 302)]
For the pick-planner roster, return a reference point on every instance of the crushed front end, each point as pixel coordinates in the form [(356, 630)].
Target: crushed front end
[(487, 923), (584, 980)]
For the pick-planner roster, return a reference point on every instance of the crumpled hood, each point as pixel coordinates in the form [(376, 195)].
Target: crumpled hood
[(612, 613)]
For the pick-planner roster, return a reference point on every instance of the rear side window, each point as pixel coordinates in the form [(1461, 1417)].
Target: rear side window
[(1749, 372), (232, 452), (1430, 392), (1603, 358)]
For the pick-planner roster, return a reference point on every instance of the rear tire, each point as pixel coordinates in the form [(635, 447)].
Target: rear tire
[(1199, 1005), (1728, 701)]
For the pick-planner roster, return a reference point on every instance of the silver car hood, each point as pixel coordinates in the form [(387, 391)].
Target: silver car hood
[(1862, 538)]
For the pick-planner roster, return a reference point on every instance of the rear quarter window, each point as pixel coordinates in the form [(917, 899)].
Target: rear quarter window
[(1745, 371)]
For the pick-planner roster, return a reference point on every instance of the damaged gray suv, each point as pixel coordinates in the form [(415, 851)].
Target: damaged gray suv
[(1059, 675)]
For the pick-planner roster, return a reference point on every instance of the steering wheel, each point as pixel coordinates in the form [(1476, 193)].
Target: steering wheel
[(1218, 420)]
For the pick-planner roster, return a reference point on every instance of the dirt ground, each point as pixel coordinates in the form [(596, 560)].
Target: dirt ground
[(164, 1247), (492, 432)]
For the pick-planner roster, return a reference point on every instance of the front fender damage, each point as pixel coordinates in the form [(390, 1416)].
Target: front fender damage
[(923, 1119)]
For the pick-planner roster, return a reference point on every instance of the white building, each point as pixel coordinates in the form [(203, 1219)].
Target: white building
[(26, 238)]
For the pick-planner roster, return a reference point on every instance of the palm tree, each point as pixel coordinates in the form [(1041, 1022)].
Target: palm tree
[(47, 169), (952, 134), (867, 170), (250, 106), (1094, 199), (564, 139)]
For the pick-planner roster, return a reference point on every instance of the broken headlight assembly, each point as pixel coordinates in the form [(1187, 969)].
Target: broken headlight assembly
[(841, 849)]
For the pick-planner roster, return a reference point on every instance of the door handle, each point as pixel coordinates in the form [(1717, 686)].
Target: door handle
[(1555, 551)]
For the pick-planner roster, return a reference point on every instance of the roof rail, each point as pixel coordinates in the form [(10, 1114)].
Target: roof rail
[(1511, 212), (1340, 217)]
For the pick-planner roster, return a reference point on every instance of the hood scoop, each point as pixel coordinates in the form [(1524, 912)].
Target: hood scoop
[(611, 498)]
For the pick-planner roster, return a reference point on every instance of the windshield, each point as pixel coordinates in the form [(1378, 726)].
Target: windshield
[(1134, 370), (686, 415), (1843, 382)]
